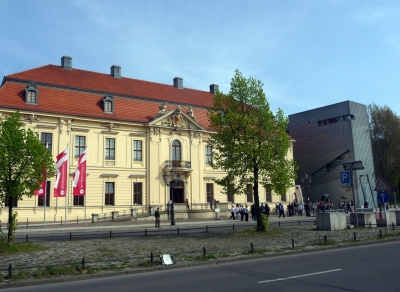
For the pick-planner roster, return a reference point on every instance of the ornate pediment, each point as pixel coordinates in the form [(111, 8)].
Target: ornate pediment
[(176, 118)]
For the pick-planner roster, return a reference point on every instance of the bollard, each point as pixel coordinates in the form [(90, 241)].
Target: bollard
[(110, 233), (325, 239), (380, 233), (27, 238), (151, 257), (83, 263), (61, 220), (145, 232), (370, 225), (70, 236), (279, 223), (206, 228), (233, 227), (392, 225), (9, 271), (355, 236), (292, 243), (204, 251), (178, 230), (299, 222), (252, 248)]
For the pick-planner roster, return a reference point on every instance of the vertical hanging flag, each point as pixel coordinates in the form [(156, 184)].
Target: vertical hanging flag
[(60, 186), (79, 183), (42, 191)]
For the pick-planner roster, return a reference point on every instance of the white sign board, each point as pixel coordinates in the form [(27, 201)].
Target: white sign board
[(217, 210), (167, 260)]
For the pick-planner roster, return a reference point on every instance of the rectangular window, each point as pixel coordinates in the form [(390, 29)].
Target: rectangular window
[(31, 96), (79, 200), (249, 193), (80, 144), (208, 155), (110, 149), (14, 203), (109, 194), (137, 193), (46, 139), (210, 192), (137, 150), (41, 199), (268, 193)]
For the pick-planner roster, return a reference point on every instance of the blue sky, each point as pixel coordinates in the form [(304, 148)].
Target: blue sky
[(308, 54)]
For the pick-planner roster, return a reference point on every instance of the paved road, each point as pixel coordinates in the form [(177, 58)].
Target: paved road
[(367, 268)]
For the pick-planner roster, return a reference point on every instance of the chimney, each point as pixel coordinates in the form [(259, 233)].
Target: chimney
[(178, 82), (214, 88), (66, 62), (116, 71)]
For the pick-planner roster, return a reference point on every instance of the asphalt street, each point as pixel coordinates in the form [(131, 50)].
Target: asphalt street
[(365, 268)]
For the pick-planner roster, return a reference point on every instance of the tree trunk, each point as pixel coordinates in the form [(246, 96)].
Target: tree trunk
[(257, 201), (10, 219)]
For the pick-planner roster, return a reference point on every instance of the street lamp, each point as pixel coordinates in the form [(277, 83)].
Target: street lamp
[(172, 182), (306, 183)]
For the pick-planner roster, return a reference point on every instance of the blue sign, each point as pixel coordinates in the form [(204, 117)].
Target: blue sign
[(383, 197), (345, 177)]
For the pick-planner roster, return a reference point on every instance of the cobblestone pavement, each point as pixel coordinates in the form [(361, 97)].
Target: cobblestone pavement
[(132, 252)]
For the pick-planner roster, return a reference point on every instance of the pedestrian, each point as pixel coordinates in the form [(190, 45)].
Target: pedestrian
[(300, 209), (232, 213), (157, 216), (253, 212), (187, 204), (241, 211), (267, 210), (246, 213), (281, 210), (262, 208), (237, 212)]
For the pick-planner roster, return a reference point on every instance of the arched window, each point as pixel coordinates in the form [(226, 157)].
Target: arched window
[(176, 153), (108, 104), (31, 94)]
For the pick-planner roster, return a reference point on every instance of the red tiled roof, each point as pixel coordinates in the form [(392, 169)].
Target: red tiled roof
[(93, 81), (84, 104)]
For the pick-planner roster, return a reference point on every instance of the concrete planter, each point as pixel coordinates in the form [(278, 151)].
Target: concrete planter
[(397, 214), (364, 219), (331, 221), (390, 218)]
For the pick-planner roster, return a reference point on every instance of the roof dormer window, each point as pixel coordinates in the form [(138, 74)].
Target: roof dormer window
[(31, 94), (108, 104)]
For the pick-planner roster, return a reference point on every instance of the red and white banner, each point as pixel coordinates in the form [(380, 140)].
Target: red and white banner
[(79, 183), (60, 186), (42, 191)]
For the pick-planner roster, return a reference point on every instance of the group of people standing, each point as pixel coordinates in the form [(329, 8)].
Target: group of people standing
[(243, 211)]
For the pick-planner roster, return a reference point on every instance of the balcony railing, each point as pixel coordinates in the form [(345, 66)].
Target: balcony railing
[(177, 164)]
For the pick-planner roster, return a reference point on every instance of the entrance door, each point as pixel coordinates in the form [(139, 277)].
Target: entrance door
[(176, 193)]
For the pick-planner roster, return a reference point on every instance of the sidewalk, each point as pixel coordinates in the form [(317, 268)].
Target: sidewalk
[(52, 227)]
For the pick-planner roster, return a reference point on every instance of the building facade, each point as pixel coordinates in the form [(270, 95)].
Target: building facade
[(327, 136), (135, 132)]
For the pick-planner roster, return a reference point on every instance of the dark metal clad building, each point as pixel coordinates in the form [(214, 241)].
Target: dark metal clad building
[(324, 138)]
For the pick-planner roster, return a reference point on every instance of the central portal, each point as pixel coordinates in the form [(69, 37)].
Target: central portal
[(177, 192)]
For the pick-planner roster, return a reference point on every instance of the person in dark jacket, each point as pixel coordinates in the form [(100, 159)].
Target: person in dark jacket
[(253, 212)]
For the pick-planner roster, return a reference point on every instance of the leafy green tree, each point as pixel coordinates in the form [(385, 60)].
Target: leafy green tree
[(385, 138), (23, 160), (250, 142)]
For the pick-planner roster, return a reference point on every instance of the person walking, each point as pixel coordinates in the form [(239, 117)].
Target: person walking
[(253, 212), (237, 212), (267, 210), (246, 213), (187, 204), (157, 216), (281, 210), (232, 213)]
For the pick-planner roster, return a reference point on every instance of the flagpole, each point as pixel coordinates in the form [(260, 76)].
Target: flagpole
[(66, 195), (84, 199)]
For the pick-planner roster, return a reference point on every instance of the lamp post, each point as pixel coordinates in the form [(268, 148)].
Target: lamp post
[(306, 183), (171, 182)]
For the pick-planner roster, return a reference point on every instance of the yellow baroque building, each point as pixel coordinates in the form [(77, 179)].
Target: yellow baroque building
[(135, 133)]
